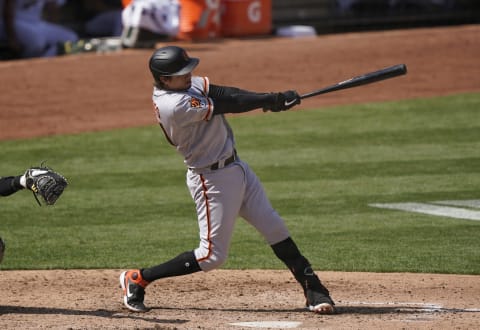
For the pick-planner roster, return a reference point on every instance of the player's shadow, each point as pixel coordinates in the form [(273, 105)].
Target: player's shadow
[(74, 312), (378, 310), (367, 310)]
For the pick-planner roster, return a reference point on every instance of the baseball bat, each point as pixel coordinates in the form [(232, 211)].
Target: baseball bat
[(364, 79)]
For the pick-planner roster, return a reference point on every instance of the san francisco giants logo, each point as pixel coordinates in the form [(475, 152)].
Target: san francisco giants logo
[(195, 103)]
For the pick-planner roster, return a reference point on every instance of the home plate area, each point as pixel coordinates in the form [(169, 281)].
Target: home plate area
[(406, 312), (269, 324)]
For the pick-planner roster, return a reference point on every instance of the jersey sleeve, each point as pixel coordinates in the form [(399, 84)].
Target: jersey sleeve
[(195, 105)]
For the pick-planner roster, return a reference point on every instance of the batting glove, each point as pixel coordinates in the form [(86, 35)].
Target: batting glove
[(285, 101)]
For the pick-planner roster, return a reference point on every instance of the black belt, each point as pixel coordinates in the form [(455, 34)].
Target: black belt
[(228, 161)]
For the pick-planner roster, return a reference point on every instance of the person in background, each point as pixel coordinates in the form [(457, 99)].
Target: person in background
[(25, 31), (104, 18)]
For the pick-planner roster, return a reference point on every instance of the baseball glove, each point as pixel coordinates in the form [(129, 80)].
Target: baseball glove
[(45, 182), (2, 249)]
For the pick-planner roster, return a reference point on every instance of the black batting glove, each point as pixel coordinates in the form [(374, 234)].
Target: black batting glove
[(284, 101), (292, 98)]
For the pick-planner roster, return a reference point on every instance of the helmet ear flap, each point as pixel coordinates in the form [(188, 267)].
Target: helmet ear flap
[(159, 81)]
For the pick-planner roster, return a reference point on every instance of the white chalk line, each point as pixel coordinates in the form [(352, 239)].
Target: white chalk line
[(423, 307), (427, 308), (473, 203), (438, 210)]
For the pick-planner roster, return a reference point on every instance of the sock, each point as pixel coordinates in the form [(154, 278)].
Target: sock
[(288, 252), (183, 264)]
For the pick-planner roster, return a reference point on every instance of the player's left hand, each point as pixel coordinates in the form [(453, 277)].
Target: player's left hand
[(285, 100)]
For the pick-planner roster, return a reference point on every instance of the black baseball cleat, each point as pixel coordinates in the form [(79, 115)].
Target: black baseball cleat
[(319, 301), (133, 286)]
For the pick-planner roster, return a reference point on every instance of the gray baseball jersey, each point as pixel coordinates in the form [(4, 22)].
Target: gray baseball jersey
[(222, 193), (188, 123)]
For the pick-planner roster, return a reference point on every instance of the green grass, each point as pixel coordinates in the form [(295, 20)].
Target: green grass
[(127, 204)]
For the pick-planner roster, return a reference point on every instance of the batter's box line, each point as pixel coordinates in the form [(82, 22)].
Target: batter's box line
[(420, 307)]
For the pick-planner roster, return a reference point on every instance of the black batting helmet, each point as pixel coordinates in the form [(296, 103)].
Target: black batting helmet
[(171, 61)]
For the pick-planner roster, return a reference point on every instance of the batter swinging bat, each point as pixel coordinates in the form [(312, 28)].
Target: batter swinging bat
[(364, 79)]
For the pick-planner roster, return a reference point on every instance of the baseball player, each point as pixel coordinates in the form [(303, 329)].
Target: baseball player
[(190, 112), (8, 186), (41, 181)]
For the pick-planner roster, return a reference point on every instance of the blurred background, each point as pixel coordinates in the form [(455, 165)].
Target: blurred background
[(142, 23), (334, 16), (326, 16)]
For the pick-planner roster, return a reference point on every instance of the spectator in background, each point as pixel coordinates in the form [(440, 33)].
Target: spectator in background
[(26, 32), (104, 18), (147, 21)]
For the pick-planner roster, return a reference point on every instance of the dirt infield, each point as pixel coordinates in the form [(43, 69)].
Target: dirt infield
[(92, 92), (219, 299)]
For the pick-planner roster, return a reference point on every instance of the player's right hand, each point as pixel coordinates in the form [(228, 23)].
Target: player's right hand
[(285, 100)]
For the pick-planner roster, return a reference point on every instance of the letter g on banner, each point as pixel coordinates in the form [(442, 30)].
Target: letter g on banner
[(254, 12)]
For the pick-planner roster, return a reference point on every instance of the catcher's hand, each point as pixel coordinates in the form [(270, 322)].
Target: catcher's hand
[(45, 182), (2, 249)]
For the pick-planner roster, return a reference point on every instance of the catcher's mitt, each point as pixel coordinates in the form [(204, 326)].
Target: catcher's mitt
[(45, 182), (2, 249)]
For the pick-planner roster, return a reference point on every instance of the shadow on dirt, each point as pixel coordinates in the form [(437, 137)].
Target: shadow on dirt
[(95, 313), (381, 310), (360, 310)]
